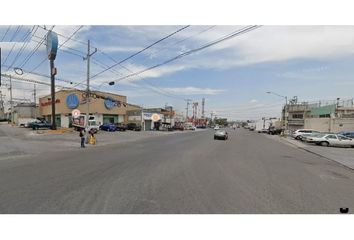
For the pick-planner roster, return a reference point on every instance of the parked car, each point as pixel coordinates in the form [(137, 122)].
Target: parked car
[(297, 134), (178, 127), (216, 127), (190, 127), (311, 137), (41, 125), (121, 127), (252, 128), (274, 131), (349, 134), (109, 127), (264, 130), (332, 140), (221, 134), (133, 127), (30, 123)]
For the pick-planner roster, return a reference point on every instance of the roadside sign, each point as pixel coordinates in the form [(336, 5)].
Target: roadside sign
[(155, 117), (75, 113)]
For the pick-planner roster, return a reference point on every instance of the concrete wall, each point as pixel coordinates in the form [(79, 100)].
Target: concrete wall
[(330, 124)]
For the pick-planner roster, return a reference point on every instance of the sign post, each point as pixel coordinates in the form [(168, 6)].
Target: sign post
[(52, 48)]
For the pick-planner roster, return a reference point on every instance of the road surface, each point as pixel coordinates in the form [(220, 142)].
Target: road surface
[(179, 173)]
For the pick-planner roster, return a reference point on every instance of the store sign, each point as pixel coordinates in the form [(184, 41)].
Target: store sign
[(43, 104), (72, 101), (111, 103), (152, 116)]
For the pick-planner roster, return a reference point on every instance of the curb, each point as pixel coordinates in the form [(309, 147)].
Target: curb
[(319, 155)]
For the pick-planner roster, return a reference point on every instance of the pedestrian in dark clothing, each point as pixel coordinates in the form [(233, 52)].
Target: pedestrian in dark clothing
[(82, 136)]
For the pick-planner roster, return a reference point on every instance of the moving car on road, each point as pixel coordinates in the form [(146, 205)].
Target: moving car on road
[(216, 127), (221, 134)]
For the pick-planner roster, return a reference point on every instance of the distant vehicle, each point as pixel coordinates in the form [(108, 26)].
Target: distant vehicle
[(23, 122), (41, 125), (29, 124), (332, 140), (133, 127), (178, 127), (80, 123), (264, 130), (216, 127), (274, 131), (109, 127), (297, 134), (252, 128), (221, 134), (349, 134), (190, 127), (201, 126), (121, 127)]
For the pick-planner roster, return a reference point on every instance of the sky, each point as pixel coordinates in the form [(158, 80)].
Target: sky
[(310, 62)]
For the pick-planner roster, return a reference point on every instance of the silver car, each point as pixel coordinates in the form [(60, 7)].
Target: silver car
[(333, 140), (221, 134)]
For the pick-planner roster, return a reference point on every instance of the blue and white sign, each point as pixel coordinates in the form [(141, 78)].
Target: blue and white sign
[(110, 103), (52, 45), (72, 101)]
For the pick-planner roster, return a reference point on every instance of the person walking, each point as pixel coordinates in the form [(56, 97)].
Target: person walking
[(82, 137)]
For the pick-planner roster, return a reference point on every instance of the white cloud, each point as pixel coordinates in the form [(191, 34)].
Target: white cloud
[(254, 101), (193, 91)]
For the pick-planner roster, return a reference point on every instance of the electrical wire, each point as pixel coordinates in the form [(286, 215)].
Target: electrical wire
[(12, 38), (175, 43), (142, 50), (8, 28), (25, 43), (35, 68), (227, 37), (29, 56)]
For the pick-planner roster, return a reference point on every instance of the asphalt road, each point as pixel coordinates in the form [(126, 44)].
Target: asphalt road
[(179, 173)]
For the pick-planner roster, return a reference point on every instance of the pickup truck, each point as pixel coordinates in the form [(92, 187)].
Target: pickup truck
[(41, 125)]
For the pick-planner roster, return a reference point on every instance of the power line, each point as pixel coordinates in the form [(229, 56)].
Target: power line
[(7, 30), (178, 42), (142, 50), (23, 47), (12, 38), (227, 37), (58, 48), (29, 56)]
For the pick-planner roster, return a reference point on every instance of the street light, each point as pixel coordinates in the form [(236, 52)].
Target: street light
[(285, 109)]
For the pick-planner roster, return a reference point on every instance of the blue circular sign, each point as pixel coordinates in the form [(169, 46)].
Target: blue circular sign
[(109, 103), (72, 101), (52, 45)]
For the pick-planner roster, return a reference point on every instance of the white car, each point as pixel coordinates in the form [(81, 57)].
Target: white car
[(298, 133), (216, 128), (332, 140)]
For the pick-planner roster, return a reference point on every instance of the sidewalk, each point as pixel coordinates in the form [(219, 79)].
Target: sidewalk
[(343, 156), (17, 141)]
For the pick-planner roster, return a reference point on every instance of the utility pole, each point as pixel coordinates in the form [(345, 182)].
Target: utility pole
[(11, 103), (35, 101), (188, 100), (0, 67), (88, 56), (203, 106), (1, 105)]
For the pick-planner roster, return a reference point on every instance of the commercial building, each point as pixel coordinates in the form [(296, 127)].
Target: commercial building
[(106, 107), (325, 116), (152, 118), (24, 112)]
